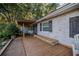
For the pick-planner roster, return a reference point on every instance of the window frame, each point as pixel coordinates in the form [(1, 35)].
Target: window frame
[(50, 23), (40, 26), (73, 26), (47, 27), (50, 26)]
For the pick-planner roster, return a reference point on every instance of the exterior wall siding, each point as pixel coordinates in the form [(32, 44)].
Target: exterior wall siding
[(60, 28)]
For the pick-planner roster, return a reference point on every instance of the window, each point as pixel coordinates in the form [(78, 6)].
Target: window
[(40, 26), (74, 26), (47, 26), (50, 26)]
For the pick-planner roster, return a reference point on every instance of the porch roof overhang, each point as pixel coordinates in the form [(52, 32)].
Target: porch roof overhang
[(26, 22), (66, 8)]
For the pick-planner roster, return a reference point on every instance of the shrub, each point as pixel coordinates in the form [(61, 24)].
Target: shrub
[(7, 30), (13, 29)]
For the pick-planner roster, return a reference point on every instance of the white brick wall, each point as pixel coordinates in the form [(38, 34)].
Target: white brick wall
[(60, 28)]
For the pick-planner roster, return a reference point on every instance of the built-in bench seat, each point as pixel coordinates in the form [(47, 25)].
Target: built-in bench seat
[(47, 40)]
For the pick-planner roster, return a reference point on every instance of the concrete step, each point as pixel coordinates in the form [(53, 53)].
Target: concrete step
[(47, 40)]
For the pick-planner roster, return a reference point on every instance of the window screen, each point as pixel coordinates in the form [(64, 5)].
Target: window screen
[(74, 26), (47, 26)]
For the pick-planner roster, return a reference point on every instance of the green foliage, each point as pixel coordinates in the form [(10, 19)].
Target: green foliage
[(2, 26), (6, 30), (17, 11), (12, 28)]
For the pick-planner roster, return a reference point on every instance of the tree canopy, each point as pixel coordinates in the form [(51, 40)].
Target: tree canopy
[(25, 11)]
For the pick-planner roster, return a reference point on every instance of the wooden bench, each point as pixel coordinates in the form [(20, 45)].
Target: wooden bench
[(47, 40)]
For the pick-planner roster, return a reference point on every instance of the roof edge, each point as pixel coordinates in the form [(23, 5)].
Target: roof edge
[(64, 9)]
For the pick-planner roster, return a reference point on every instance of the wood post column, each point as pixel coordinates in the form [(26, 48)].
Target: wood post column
[(23, 31)]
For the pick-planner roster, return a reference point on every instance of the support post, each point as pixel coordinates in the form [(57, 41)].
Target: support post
[(23, 31)]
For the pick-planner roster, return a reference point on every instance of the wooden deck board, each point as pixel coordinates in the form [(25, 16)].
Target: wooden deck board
[(15, 48), (32, 46), (35, 46)]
